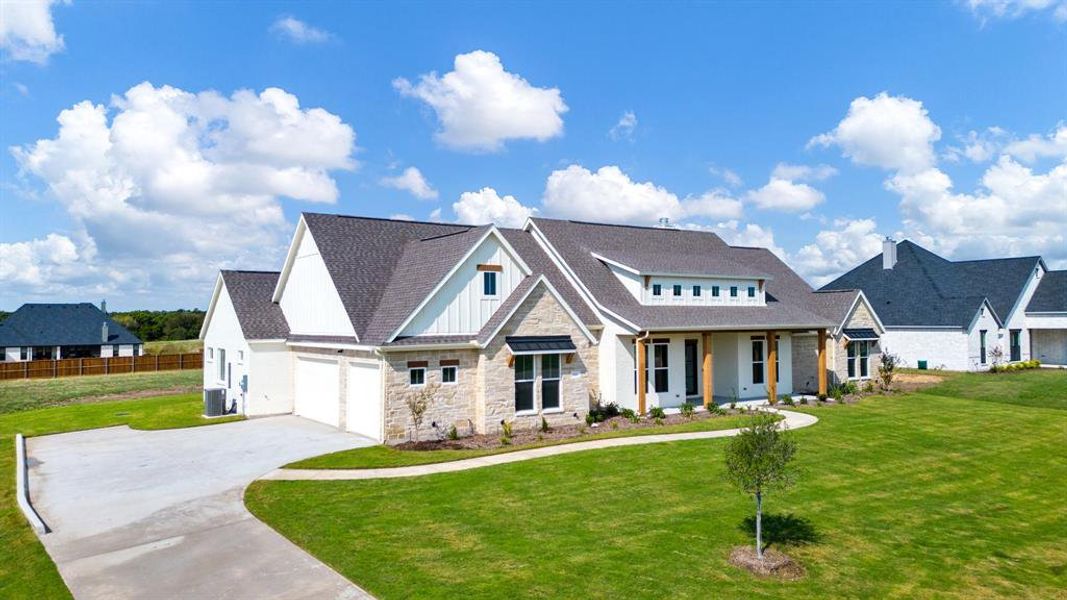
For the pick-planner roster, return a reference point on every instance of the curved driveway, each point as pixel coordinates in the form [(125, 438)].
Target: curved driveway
[(159, 514)]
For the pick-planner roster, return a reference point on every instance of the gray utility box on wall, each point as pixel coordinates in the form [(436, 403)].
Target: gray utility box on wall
[(214, 402)]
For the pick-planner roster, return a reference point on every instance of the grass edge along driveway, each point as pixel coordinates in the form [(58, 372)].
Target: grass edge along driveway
[(26, 570), (919, 495)]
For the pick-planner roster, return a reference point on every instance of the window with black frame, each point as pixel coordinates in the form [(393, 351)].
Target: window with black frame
[(757, 361), (550, 381), (524, 383)]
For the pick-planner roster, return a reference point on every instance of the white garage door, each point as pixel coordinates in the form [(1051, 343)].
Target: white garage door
[(316, 390), (363, 412)]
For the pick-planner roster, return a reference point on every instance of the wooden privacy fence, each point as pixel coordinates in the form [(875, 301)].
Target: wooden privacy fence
[(72, 367)]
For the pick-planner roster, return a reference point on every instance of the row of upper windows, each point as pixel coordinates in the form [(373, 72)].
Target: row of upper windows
[(676, 291)]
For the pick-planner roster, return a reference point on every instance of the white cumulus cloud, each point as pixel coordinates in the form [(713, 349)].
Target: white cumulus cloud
[(411, 181), (167, 186), (1034, 147), (1013, 9), (624, 129), (891, 132), (480, 106), (785, 195), (835, 251), (803, 172), (27, 32), (487, 206), (294, 30)]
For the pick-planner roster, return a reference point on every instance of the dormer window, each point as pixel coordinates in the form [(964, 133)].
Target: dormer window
[(489, 283), (677, 290), (656, 289), (733, 291), (696, 291), (751, 291)]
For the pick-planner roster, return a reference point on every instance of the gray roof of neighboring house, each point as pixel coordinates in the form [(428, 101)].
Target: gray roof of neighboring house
[(250, 292), (790, 299), (1051, 293), (61, 325), (923, 289), (834, 304)]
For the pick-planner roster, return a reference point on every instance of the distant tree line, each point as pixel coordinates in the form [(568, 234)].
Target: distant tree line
[(156, 325), (3, 314)]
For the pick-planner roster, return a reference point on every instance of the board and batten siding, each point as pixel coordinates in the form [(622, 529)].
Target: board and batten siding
[(224, 332), (459, 307), (310, 300)]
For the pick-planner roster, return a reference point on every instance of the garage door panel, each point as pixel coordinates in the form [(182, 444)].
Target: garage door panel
[(316, 390), (363, 412)]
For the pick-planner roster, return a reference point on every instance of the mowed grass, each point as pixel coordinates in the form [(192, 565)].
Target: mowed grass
[(374, 457), (916, 496), (1038, 387), (26, 571), (173, 346), (28, 394)]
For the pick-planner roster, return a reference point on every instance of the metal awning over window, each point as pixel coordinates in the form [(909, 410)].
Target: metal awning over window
[(861, 335), (540, 344)]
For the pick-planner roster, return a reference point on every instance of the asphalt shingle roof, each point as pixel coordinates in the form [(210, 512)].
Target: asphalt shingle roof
[(1051, 293), (61, 325), (789, 298), (834, 304), (250, 292), (923, 289)]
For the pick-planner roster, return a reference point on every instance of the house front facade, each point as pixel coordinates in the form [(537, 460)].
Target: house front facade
[(487, 325), (57, 331), (963, 315)]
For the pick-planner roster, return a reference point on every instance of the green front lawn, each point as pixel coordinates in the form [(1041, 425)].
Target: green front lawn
[(924, 495), (26, 571), (28, 394), (375, 457), (1038, 387)]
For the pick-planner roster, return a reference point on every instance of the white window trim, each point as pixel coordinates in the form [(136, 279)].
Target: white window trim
[(455, 379), (417, 385), (538, 387), (762, 341), (857, 359), (533, 381)]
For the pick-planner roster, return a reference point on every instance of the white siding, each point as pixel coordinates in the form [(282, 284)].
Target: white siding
[(13, 354), (106, 351), (1047, 321), (706, 288), (224, 333), (309, 300), (269, 379), (631, 282), (614, 351), (995, 338), (459, 307), (940, 348), (1018, 319)]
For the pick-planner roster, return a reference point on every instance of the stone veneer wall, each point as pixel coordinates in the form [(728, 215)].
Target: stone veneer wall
[(806, 363), (861, 318), (484, 394), (539, 314), (453, 405)]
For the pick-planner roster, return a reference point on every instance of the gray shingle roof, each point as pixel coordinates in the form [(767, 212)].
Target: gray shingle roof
[(362, 256), (61, 325), (789, 298), (540, 264), (923, 289), (652, 261), (834, 304), (1051, 293), (250, 292)]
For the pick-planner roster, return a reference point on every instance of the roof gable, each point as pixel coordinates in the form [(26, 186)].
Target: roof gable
[(1051, 294), (924, 289), (251, 293)]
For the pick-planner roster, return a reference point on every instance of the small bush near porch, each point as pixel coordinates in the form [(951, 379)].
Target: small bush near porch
[(956, 492)]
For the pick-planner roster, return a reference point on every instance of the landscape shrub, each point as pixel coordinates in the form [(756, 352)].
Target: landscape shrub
[(656, 413), (804, 400), (887, 370), (505, 431), (544, 425), (787, 400), (630, 415), (688, 411), (453, 433), (715, 409)]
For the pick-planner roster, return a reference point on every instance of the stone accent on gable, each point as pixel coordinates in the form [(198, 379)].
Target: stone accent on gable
[(484, 394), (539, 314), (860, 318)]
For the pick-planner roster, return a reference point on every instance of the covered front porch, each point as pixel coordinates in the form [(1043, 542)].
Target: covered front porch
[(670, 369)]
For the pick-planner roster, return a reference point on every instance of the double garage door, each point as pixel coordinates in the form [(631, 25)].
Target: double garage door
[(317, 385)]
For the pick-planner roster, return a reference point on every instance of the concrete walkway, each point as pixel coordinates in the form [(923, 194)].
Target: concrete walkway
[(160, 514), (793, 420)]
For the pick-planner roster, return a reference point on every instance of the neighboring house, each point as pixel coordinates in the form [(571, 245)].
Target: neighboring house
[(54, 331), (855, 353), (512, 324), (961, 315)]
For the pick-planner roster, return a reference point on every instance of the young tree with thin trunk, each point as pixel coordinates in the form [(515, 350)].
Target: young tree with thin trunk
[(757, 461)]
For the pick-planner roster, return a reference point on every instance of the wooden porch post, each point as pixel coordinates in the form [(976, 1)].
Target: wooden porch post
[(708, 387), (772, 358), (822, 362), (642, 375)]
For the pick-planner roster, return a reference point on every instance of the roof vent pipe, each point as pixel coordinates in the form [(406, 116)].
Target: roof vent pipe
[(104, 333), (889, 253), (665, 222)]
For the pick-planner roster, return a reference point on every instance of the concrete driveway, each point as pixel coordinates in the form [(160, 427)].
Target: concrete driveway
[(159, 514)]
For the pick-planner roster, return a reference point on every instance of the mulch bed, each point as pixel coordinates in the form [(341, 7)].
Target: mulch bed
[(774, 563), (522, 437)]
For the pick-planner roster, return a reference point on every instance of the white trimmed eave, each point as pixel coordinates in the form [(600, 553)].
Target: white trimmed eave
[(492, 231), (211, 306), (471, 345), (331, 345), (1018, 301), (860, 296), (978, 315), (757, 327), (290, 258)]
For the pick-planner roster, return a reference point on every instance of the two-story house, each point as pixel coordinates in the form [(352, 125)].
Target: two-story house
[(511, 325)]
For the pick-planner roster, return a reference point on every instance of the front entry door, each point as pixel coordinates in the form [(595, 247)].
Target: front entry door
[(690, 367)]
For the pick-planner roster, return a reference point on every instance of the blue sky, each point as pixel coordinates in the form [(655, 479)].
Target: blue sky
[(814, 129)]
